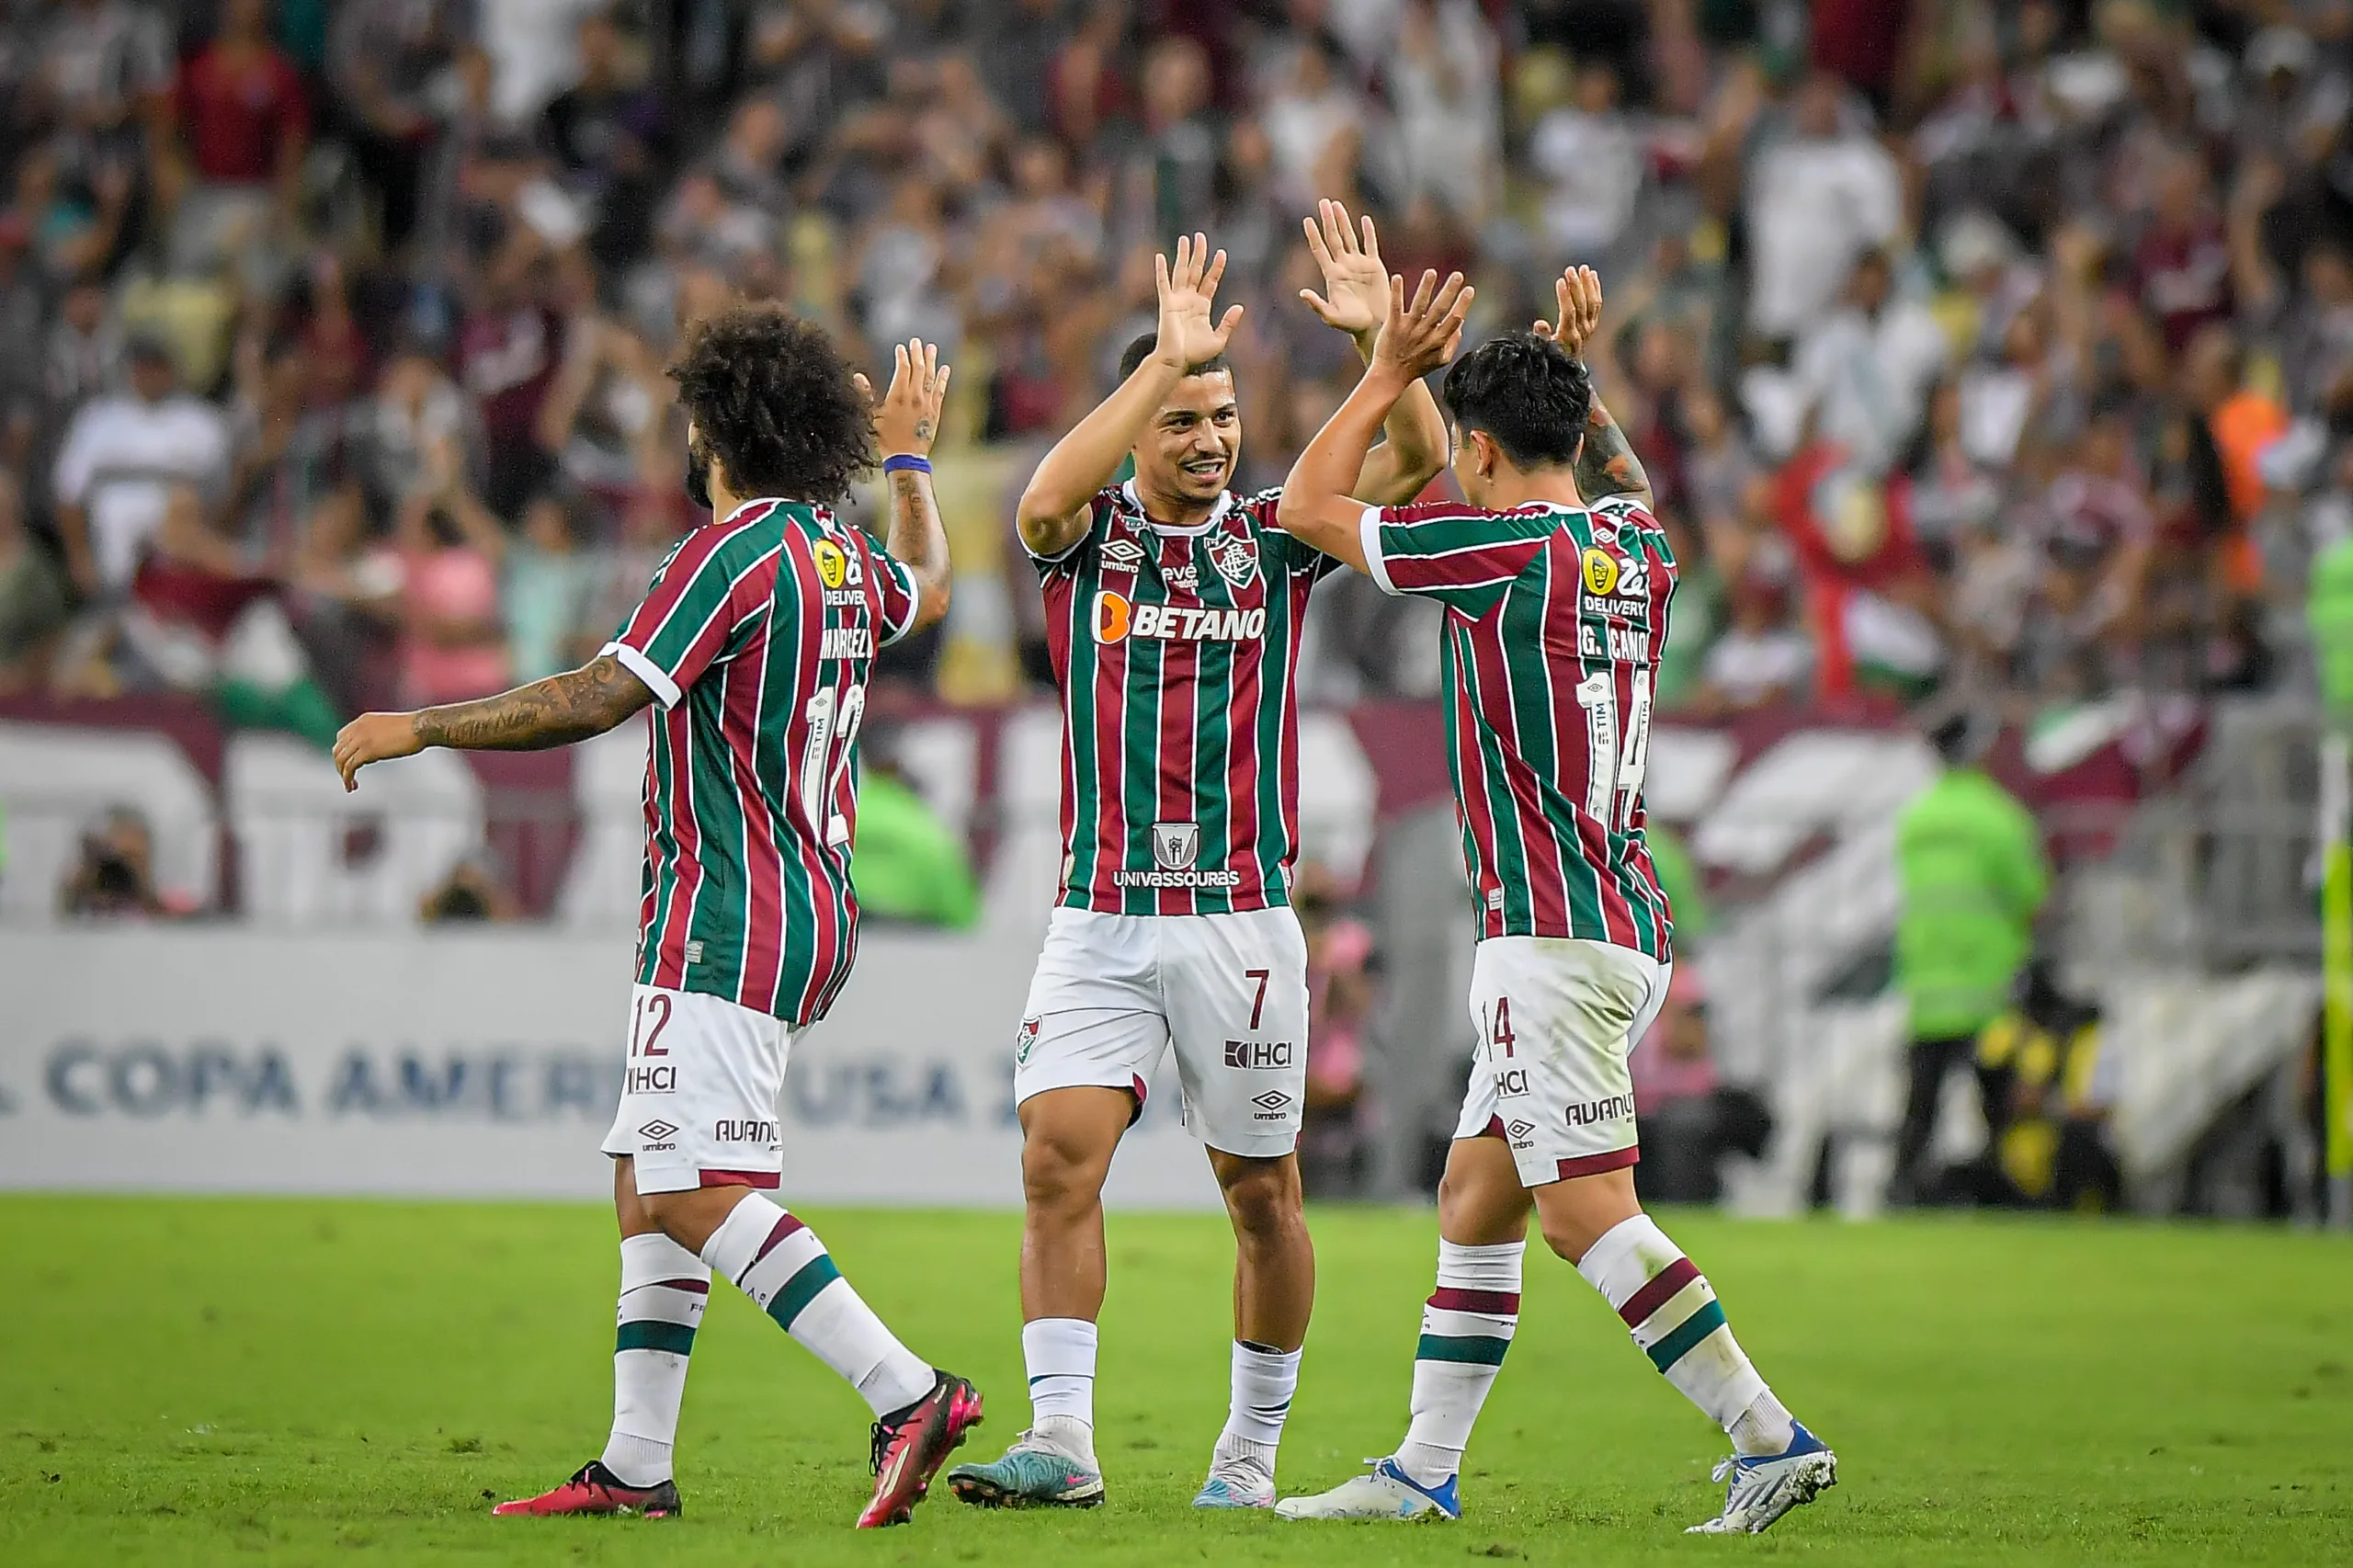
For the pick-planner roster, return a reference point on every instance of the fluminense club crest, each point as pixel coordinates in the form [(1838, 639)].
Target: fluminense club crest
[(1235, 557)]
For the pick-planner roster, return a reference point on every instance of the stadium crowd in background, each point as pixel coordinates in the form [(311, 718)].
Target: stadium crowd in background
[(1998, 346), (2009, 340)]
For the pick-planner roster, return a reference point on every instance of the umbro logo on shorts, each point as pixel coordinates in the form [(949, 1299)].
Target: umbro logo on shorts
[(1520, 1131), (1259, 1054), (657, 1134), (1271, 1105)]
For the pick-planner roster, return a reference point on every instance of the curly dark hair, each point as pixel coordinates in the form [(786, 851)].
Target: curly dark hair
[(773, 400), (1528, 393)]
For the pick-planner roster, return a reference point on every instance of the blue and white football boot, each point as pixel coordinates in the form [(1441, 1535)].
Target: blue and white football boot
[(1388, 1492), (1762, 1487)]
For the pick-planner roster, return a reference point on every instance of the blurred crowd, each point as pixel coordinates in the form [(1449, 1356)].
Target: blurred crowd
[(2007, 342)]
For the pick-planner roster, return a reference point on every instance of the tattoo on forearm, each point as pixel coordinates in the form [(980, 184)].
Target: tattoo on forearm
[(1606, 465), (914, 520), (552, 712)]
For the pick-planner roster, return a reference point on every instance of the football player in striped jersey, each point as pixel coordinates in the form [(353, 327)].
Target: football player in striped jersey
[(753, 645), (1174, 610), (1555, 579)]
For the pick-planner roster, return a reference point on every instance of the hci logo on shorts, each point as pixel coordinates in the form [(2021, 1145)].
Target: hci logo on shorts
[(1253, 1053), (1174, 843)]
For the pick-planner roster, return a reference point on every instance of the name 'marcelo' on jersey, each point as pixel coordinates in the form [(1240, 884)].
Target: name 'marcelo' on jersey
[(1174, 648), (1554, 619), (755, 639)]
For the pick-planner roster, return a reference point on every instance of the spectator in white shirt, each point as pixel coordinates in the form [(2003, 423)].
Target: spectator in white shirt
[(1589, 154), (1867, 367), (1816, 202), (123, 458)]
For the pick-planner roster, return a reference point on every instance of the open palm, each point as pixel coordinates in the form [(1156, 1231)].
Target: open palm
[(1356, 284), (1190, 332)]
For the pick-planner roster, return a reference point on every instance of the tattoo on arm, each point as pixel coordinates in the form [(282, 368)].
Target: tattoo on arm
[(1606, 465), (552, 712)]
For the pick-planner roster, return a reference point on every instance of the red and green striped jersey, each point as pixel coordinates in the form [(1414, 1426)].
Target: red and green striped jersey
[(1174, 650), (1554, 621), (755, 639)]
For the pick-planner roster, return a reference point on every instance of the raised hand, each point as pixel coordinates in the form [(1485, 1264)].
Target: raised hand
[(907, 419), (1190, 333), (1422, 333), (1356, 285), (1578, 292)]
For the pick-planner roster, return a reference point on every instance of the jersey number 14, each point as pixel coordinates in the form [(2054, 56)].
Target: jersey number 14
[(1619, 757)]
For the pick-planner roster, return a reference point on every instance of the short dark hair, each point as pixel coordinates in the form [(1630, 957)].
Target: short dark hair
[(1137, 352), (1528, 393), (775, 402)]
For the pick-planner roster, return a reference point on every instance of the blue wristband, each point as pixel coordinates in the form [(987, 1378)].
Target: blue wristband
[(906, 462)]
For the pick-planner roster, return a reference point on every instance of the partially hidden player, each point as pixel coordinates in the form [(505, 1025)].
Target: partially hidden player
[(1555, 580), (1174, 610), (754, 641)]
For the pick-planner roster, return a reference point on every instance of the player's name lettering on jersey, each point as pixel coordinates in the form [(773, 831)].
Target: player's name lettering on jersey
[(847, 642), (1627, 645), (1118, 617), (1158, 878)]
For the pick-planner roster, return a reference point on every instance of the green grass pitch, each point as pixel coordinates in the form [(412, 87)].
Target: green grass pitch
[(313, 1381)]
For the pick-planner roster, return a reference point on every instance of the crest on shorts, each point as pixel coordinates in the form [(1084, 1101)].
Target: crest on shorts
[(1236, 556), (1174, 843), (1025, 1041)]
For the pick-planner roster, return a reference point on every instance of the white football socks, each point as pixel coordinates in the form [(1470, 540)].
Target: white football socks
[(664, 1291), (1264, 1380), (781, 1265), (1674, 1315), (1467, 1325), (1060, 1355)]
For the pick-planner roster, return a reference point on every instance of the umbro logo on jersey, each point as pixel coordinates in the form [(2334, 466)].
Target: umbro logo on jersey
[(1123, 554), (1118, 617)]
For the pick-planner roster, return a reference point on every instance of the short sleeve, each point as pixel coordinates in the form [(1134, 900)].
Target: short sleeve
[(896, 596), (1295, 556), (1459, 555), (1066, 559), (691, 616)]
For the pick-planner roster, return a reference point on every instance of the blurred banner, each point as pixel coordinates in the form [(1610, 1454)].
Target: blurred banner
[(485, 1062)]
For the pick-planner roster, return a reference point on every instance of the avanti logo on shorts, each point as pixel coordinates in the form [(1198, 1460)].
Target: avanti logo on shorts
[(1118, 617), (1617, 1108), (1259, 1054), (734, 1130)]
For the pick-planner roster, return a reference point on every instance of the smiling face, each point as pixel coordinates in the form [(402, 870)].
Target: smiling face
[(1189, 454)]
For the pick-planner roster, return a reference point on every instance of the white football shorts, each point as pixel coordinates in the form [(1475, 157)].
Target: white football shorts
[(1557, 1017), (698, 1092), (1113, 992)]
